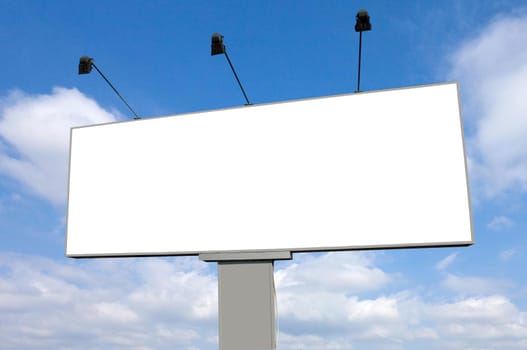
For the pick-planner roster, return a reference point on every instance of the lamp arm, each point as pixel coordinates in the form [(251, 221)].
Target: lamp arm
[(237, 79), (117, 92)]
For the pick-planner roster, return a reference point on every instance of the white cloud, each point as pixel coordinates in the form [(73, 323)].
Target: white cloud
[(333, 271), (312, 342), (106, 304), (115, 312), (446, 262), (315, 313), (508, 254), (492, 69), (491, 321), (493, 308), (317, 292), (166, 304), (34, 137), (470, 285), (499, 223)]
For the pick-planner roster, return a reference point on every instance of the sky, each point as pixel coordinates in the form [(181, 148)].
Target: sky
[(157, 54)]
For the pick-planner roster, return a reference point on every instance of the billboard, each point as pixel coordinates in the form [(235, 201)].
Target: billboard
[(373, 170)]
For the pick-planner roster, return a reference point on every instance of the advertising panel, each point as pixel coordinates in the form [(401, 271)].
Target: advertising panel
[(371, 170)]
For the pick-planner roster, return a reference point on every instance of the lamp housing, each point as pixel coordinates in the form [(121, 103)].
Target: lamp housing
[(363, 21), (217, 46), (85, 65)]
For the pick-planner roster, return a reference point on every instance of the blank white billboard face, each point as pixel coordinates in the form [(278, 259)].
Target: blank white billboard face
[(369, 170)]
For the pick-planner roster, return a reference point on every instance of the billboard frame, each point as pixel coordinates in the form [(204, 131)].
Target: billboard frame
[(281, 251)]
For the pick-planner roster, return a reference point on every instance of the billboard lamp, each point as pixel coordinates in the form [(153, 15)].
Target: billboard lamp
[(363, 24), (217, 48)]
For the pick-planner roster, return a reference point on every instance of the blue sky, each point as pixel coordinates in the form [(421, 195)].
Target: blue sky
[(157, 53)]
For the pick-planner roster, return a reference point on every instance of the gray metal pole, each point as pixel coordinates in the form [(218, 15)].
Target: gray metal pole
[(247, 304), (246, 299)]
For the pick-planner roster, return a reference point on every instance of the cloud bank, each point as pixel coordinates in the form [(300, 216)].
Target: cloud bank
[(34, 137), (492, 70), (106, 304), (118, 304)]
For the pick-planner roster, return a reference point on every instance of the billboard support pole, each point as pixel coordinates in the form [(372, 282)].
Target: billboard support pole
[(246, 299)]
